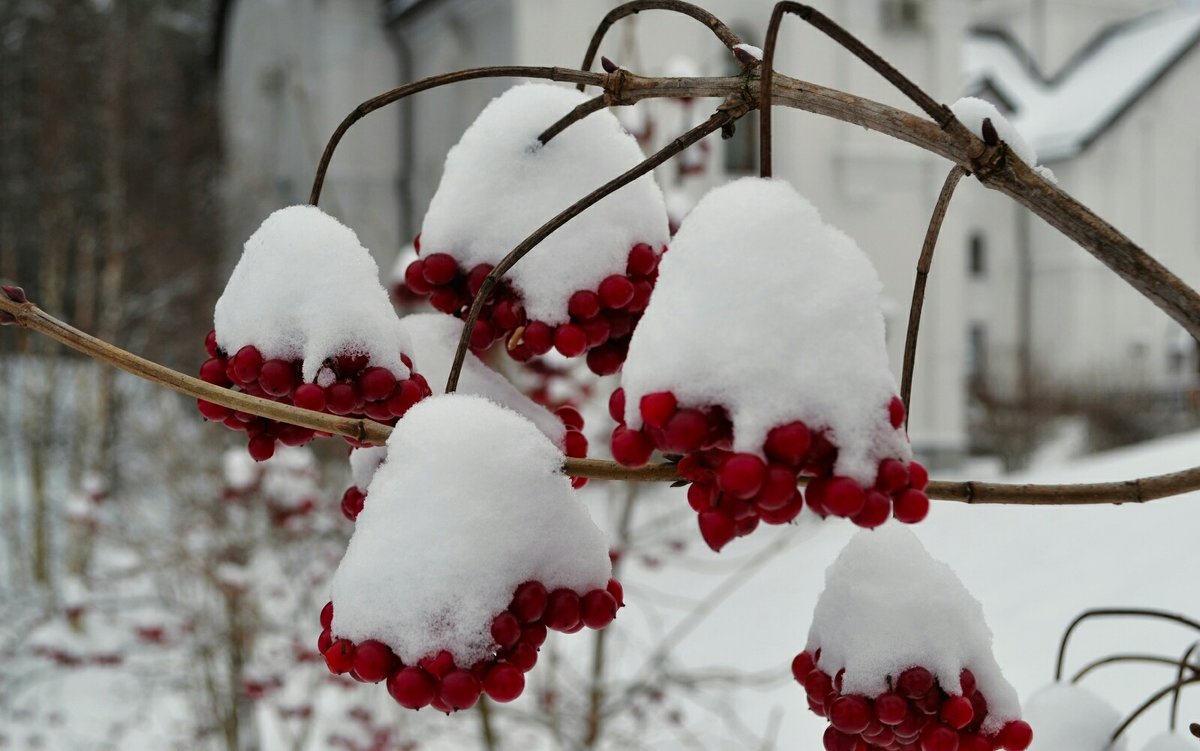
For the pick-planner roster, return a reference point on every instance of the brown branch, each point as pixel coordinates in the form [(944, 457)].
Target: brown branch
[(723, 32), (583, 110), (766, 89), (1174, 688), (728, 112), (1123, 658), (918, 299), (1114, 613)]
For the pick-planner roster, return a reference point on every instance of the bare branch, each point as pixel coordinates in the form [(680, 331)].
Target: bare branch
[(583, 110)]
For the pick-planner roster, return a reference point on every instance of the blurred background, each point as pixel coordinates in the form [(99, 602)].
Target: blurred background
[(157, 592)]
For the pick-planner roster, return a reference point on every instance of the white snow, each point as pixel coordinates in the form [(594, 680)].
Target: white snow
[(888, 605), (763, 308), (458, 519), (363, 464), (750, 50), (240, 470), (305, 288), (1067, 717), (1172, 742), (500, 184), (1060, 115), (290, 477)]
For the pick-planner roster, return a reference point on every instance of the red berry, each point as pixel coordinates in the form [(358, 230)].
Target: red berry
[(584, 305), (850, 714), (324, 641), (742, 475), (439, 269), (447, 300), (539, 337), (914, 682), (685, 431), (615, 589), (817, 684), (1015, 736), (438, 665), (412, 688), (327, 616), (597, 331), (570, 340), (785, 513), (957, 712), (575, 444), (482, 335), (339, 658), (608, 358), (210, 344), (657, 408), (891, 708), (875, 511), (476, 278), (616, 291), (779, 485), (570, 417), (213, 371), (503, 683), (641, 296), (246, 364), (529, 602), (534, 634), (717, 528), (973, 742), (376, 383), (892, 476), (802, 665), (212, 411), (506, 629), (911, 506), (631, 448), (309, 396), (460, 689), (261, 447), (597, 609), (642, 260), (508, 315), (616, 405), (523, 657), (340, 398), (896, 412), (408, 394), (414, 278), (352, 503), (702, 496), (938, 738), (843, 497), (788, 444), (918, 476), (966, 680), (562, 610), (836, 740), (620, 323), (374, 661)]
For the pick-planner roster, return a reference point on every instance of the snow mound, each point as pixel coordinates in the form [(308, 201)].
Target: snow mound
[(500, 184), (470, 504), (364, 462), (763, 308), (306, 289), (1171, 742), (1067, 717), (888, 606)]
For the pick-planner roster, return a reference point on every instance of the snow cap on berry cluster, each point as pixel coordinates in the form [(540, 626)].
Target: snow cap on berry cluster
[(1068, 716), (766, 310), (500, 184), (306, 289), (470, 504), (888, 606)]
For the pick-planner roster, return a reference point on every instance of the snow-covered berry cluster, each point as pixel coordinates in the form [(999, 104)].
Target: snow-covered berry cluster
[(517, 634)]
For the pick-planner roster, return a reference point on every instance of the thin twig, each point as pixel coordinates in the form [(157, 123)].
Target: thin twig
[(1114, 613), (766, 89), (719, 119), (583, 110), (1117, 659), (918, 300), (1184, 664), (1154, 699), (723, 32)]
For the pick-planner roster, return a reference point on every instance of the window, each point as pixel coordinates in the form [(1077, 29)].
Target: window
[(903, 15), (976, 353), (977, 256)]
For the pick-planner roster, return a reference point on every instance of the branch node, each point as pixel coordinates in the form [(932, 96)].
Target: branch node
[(608, 65), (990, 136), (614, 86), (14, 293)]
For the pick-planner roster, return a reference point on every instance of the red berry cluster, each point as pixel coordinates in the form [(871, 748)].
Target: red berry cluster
[(518, 633), (914, 714), (359, 391), (601, 320), (732, 492)]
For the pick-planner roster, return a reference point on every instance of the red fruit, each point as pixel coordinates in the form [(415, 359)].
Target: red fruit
[(802, 665), (957, 712), (744, 525), (918, 476), (914, 682), (414, 278), (657, 408), (850, 714), (779, 485), (374, 661), (324, 641), (446, 299), (408, 394), (570, 340), (702, 496), (785, 513), (616, 405), (529, 602), (503, 683), (327, 616), (891, 708), (352, 503), (309, 396), (538, 337), (835, 740), (438, 665), (911, 506), (631, 448), (742, 475), (875, 511), (210, 344), (892, 476), (506, 629), (340, 398), (843, 497), (211, 411), (717, 528), (508, 315), (817, 684), (570, 417), (412, 688), (339, 658), (460, 689), (213, 371), (476, 278), (896, 412), (1015, 736), (615, 589), (246, 364), (973, 742), (597, 609), (482, 335), (620, 323), (616, 291), (562, 610), (584, 305), (608, 358), (597, 331), (788, 444), (575, 444), (376, 384), (966, 680), (523, 657), (692, 468), (938, 738), (642, 260), (534, 635), (261, 447), (685, 431), (439, 269), (276, 377)]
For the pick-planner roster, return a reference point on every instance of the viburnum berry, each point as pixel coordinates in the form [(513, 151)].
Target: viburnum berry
[(957, 712), (460, 689), (1015, 736), (373, 661), (412, 687), (503, 683)]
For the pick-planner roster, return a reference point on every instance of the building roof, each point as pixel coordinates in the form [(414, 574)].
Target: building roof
[(1061, 116)]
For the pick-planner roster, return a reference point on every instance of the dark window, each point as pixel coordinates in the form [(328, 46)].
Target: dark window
[(903, 15), (977, 256), (976, 352)]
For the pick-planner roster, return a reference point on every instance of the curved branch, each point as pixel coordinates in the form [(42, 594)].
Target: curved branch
[(723, 32), (1119, 613), (719, 119), (583, 110), (918, 299), (1116, 659), (1158, 696), (1183, 665)]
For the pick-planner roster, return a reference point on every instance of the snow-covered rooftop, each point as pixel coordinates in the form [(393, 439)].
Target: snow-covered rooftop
[(1060, 116)]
